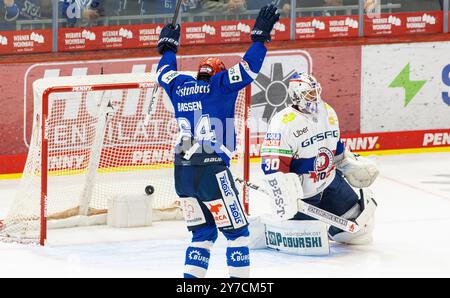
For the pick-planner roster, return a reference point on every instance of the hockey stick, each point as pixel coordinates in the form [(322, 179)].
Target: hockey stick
[(177, 12), (275, 2), (314, 212)]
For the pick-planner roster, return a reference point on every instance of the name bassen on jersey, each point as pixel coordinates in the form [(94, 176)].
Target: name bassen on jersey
[(189, 106)]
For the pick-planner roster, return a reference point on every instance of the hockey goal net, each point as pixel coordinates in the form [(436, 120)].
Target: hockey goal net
[(96, 137)]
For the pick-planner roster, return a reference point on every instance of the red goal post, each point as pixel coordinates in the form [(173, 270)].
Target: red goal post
[(86, 142)]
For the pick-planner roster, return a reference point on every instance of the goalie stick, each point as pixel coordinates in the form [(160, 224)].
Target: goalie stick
[(314, 212)]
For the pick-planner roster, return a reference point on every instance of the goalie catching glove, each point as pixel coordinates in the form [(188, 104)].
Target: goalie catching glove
[(359, 171)]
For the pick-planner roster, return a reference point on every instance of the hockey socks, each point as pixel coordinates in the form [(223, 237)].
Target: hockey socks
[(197, 261), (238, 261)]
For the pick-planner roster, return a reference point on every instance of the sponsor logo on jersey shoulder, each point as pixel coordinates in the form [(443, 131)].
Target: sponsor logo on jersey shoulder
[(234, 74), (288, 118), (272, 140), (169, 76), (323, 165), (300, 132)]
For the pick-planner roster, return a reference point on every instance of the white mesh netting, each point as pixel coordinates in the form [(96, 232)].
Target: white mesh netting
[(101, 144)]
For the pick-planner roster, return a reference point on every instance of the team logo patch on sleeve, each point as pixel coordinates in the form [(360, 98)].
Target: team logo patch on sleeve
[(169, 76), (234, 74)]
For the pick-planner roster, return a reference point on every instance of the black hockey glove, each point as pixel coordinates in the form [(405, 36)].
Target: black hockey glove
[(265, 21), (169, 39)]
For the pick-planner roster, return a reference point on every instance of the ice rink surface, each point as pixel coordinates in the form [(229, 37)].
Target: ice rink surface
[(411, 238)]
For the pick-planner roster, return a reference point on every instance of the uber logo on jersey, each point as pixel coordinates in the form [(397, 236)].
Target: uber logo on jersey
[(300, 132), (234, 74)]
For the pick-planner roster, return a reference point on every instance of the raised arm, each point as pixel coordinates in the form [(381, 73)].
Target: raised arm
[(243, 73), (168, 75)]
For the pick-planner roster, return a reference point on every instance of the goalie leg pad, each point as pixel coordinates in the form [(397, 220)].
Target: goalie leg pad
[(306, 237), (363, 214)]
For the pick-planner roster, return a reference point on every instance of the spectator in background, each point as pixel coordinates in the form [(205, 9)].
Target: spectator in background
[(27, 9), (284, 6), (373, 6), (155, 7), (217, 6)]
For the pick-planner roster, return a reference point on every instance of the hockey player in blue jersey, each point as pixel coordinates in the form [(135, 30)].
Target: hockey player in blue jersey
[(205, 144)]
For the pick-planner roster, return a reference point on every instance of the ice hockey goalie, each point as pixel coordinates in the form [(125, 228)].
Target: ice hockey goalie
[(305, 139)]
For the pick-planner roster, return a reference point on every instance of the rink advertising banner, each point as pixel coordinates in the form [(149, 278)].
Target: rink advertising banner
[(146, 36), (334, 67), (326, 27), (228, 32), (25, 42), (112, 37), (405, 87), (403, 23), (392, 141)]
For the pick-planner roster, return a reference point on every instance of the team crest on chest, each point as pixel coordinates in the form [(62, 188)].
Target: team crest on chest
[(323, 165)]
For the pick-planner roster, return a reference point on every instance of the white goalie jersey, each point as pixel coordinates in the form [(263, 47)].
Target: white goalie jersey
[(305, 144)]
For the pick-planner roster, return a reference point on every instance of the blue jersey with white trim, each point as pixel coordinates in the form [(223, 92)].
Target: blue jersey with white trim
[(205, 110)]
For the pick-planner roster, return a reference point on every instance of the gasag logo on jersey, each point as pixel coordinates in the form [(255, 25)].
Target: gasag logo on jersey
[(234, 74), (323, 165), (272, 140), (321, 137)]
